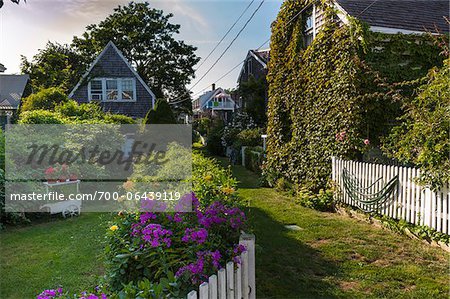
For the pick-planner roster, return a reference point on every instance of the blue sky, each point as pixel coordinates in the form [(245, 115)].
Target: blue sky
[(25, 28)]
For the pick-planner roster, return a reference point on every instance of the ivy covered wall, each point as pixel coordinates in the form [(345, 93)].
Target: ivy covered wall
[(339, 95)]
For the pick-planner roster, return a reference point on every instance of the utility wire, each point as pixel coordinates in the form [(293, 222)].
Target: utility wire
[(231, 43), (290, 21), (229, 30)]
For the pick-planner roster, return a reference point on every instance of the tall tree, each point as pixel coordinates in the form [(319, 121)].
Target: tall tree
[(146, 38), (54, 66)]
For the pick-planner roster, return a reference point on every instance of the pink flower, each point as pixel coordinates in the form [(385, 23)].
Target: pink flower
[(366, 141)]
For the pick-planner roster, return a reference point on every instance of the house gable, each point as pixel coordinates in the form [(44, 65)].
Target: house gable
[(110, 64), (255, 64)]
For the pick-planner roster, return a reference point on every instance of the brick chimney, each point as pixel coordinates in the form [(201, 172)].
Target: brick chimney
[(213, 86)]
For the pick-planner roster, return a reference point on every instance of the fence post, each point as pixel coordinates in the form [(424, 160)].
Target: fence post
[(243, 155), (248, 240)]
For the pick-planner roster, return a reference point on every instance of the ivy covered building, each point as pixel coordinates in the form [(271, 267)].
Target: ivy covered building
[(339, 75)]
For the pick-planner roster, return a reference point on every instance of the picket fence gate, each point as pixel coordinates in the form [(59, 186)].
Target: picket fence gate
[(411, 202), (236, 281)]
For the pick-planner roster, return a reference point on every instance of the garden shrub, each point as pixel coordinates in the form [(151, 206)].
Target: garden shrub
[(423, 137), (45, 99), (322, 201), (211, 182), (248, 137), (254, 157), (214, 139), (118, 119), (76, 111), (41, 117), (241, 121), (160, 114), (327, 99), (202, 125)]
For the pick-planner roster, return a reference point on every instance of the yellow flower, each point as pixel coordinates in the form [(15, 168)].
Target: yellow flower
[(128, 185), (208, 177), (227, 190), (114, 228)]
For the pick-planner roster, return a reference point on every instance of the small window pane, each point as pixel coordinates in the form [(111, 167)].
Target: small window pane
[(111, 90), (96, 90), (127, 89)]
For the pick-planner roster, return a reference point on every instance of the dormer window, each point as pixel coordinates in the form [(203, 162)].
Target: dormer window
[(112, 89)]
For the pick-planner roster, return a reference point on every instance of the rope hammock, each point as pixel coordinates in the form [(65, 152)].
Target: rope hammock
[(367, 199)]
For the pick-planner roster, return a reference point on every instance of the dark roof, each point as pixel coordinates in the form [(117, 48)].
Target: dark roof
[(414, 15), (262, 54), (11, 90)]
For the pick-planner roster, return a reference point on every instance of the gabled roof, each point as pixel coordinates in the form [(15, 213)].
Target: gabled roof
[(262, 56), (113, 46), (207, 96), (11, 90), (407, 16)]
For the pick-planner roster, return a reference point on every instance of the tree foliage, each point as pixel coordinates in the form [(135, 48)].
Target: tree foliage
[(147, 38), (45, 99), (423, 137), (55, 66), (253, 94), (328, 98)]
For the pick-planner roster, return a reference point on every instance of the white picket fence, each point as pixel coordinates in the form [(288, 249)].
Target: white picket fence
[(236, 281), (411, 202)]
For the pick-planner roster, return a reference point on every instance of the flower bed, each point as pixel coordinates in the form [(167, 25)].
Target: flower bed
[(158, 255)]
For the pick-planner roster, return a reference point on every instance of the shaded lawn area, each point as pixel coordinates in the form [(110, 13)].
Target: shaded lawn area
[(334, 256), (64, 252)]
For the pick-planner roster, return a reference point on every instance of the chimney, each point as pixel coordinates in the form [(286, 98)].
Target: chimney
[(213, 86)]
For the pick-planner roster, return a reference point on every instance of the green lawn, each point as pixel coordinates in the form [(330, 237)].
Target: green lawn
[(335, 256), (46, 255)]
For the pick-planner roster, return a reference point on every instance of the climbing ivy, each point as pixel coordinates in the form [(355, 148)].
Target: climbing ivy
[(336, 96)]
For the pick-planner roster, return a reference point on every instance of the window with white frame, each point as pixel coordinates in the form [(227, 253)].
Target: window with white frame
[(309, 27), (112, 89)]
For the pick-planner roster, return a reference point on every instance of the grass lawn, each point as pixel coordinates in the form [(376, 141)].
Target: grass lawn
[(46, 255), (335, 256)]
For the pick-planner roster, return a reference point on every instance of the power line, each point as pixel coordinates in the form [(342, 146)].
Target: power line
[(290, 21), (229, 30), (231, 43)]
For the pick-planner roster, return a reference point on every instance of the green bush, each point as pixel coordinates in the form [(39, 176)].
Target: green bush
[(323, 201), (41, 117), (45, 99), (254, 157), (202, 125), (422, 139), (160, 114), (248, 137), (118, 119), (211, 182), (75, 111), (214, 143)]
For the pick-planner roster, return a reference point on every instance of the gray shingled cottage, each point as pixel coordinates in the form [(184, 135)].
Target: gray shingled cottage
[(115, 85)]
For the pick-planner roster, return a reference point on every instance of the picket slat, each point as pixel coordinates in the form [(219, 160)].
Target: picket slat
[(230, 280), (203, 291), (192, 295), (212, 282), (445, 213), (238, 282), (222, 284)]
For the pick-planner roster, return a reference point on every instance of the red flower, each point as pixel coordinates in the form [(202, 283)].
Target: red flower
[(49, 170)]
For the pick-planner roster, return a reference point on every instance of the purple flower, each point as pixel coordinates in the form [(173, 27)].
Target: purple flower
[(155, 235), (146, 216), (199, 236)]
